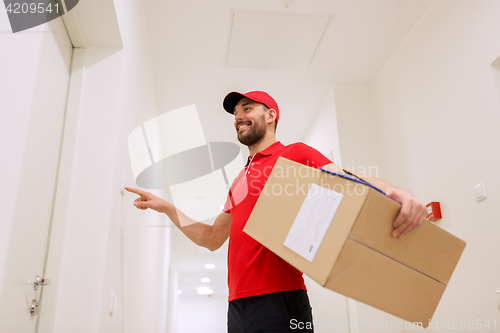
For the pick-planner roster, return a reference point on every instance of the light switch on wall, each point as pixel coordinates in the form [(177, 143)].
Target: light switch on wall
[(112, 304), (122, 185), (480, 190)]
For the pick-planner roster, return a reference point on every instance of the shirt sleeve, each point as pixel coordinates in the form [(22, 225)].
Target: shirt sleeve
[(228, 205), (309, 156)]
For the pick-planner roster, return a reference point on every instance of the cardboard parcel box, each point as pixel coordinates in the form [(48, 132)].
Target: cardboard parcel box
[(338, 232)]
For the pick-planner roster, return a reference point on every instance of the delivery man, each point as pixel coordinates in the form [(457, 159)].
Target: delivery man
[(266, 294)]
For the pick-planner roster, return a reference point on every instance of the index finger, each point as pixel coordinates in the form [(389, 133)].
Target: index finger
[(135, 190)]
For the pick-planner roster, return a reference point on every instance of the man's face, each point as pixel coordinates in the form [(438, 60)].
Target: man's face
[(250, 121)]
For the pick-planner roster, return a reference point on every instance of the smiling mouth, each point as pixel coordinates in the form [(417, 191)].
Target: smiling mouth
[(242, 126)]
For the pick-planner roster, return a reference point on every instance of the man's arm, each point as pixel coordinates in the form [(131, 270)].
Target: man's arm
[(412, 212), (212, 237)]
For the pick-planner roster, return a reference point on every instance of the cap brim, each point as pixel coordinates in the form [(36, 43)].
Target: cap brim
[(231, 100)]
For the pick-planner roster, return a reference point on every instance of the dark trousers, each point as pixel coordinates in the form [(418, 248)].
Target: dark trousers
[(287, 311)]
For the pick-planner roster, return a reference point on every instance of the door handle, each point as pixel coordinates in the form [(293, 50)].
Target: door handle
[(33, 306), (39, 281)]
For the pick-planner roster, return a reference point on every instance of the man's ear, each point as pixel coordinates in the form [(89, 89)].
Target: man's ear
[(271, 116)]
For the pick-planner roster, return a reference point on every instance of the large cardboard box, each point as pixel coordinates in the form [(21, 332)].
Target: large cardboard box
[(353, 253)]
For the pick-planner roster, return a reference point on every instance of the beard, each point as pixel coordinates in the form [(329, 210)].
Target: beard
[(254, 134)]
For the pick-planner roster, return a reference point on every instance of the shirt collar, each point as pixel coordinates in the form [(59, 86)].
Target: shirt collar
[(268, 151)]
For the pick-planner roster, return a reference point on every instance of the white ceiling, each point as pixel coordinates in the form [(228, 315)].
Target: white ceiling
[(189, 44)]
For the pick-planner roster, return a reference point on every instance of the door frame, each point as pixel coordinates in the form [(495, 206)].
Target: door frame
[(76, 23)]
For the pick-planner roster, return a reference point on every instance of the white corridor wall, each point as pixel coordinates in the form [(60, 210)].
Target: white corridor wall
[(430, 124), (438, 114)]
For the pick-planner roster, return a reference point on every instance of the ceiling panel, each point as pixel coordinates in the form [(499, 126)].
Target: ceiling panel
[(275, 40)]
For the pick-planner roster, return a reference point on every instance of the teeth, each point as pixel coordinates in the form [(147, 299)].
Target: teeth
[(242, 126)]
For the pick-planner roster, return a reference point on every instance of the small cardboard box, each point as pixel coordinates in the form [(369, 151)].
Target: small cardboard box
[(356, 255)]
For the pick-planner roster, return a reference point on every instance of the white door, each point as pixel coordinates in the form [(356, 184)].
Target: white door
[(34, 73)]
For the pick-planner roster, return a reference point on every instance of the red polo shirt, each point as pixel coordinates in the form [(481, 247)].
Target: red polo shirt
[(252, 268)]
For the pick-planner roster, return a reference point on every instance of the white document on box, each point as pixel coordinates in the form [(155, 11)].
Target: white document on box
[(312, 221)]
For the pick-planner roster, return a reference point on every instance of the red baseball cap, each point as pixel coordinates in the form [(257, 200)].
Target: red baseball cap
[(234, 97)]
